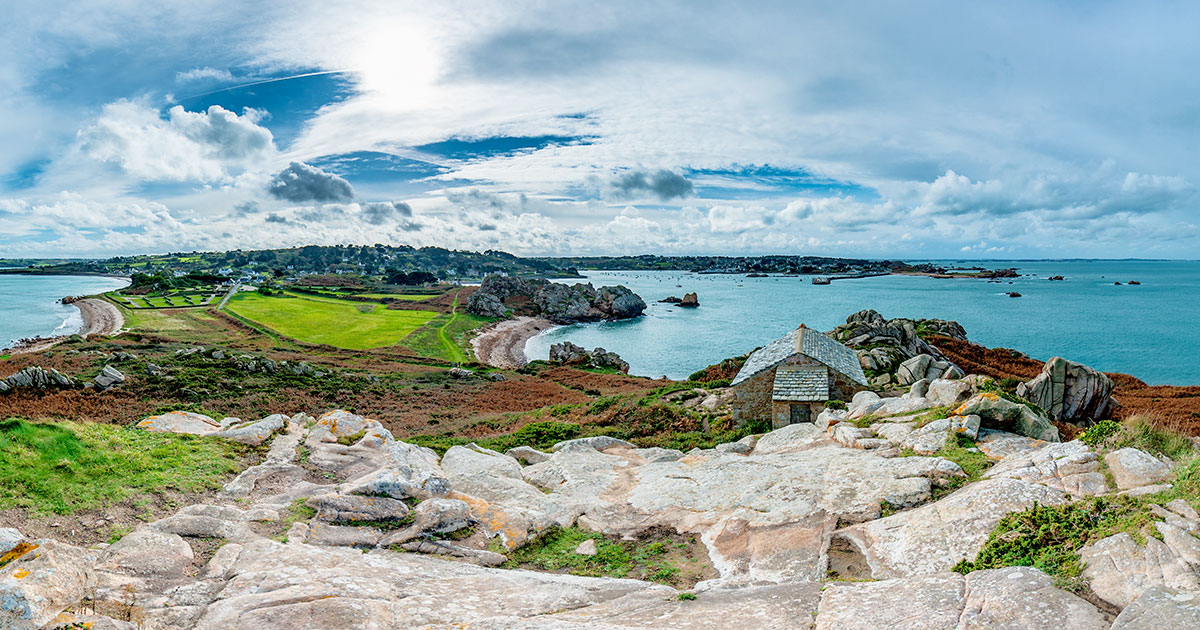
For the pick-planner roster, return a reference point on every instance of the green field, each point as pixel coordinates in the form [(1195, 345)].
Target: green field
[(350, 325), (396, 296)]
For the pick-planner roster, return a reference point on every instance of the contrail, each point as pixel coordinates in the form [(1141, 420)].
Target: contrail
[(253, 83)]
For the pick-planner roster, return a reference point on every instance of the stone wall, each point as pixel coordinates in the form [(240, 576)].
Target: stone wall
[(752, 399)]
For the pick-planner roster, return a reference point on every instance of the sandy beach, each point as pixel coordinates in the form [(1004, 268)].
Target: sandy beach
[(503, 343), (99, 318)]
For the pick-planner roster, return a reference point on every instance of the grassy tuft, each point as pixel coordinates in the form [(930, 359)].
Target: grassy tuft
[(655, 561), (65, 467)]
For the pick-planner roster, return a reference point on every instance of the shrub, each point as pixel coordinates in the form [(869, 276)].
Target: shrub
[(835, 404), (1049, 537), (1099, 432)]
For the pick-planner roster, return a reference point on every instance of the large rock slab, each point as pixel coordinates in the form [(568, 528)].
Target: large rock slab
[(936, 536), (790, 606), (46, 577), (146, 552), (181, 422), (1005, 415), (271, 585), (1160, 608), (1071, 467), (1119, 569), (1024, 597), (255, 433), (1132, 468), (1017, 598), (927, 603), (1071, 392)]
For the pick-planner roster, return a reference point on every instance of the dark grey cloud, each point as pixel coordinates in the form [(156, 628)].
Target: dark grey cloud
[(245, 208), (378, 213), (300, 182), (275, 218), (664, 184)]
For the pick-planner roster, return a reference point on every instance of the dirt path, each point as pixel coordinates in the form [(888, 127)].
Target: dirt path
[(452, 350), (503, 344)]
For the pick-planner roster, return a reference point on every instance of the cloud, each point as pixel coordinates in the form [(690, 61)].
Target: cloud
[(301, 183), (246, 207), (276, 218), (207, 146), (378, 213), (203, 74), (663, 184)]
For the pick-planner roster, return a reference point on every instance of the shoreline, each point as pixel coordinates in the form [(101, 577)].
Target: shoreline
[(502, 344), (99, 317)]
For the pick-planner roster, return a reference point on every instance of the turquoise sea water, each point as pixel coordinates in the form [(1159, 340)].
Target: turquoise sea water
[(29, 305), (1151, 331)]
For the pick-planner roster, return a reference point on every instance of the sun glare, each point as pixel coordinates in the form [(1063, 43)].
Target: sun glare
[(398, 62)]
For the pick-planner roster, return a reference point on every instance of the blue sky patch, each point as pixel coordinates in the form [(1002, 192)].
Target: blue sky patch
[(468, 149), (763, 181)]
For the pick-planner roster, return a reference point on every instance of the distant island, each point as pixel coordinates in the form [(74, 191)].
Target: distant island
[(387, 262)]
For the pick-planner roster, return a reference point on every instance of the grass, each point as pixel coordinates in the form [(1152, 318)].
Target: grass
[(395, 296), (659, 561), (445, 337), (65, 467), (329, 321)]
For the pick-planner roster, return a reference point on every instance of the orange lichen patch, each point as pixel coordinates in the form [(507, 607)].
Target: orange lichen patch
[(16, 553), (985, 395), (21, 573), (494, 520)]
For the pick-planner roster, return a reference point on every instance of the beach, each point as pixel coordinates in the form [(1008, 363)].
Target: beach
[(503, 343), (99, 318)]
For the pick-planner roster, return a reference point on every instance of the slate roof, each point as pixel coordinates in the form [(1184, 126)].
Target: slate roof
[(801, 384), (816, 345)]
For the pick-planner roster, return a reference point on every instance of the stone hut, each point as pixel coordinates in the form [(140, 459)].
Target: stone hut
[(790, 379)]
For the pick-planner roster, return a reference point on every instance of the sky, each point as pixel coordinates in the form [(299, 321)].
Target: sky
[(1049, 129)]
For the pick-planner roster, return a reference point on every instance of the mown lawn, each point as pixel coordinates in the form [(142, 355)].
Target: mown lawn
[(65, 467), (396, 296), (339, 323)]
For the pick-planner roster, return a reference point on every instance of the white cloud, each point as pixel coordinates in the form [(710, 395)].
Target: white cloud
[(205, 74), (209, 146)]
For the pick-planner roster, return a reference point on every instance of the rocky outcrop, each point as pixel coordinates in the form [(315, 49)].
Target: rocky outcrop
[(1071, 467), (1071, 392), (1002, 414), (1019, 597), (925, 367), (937, 536), (883, 345), (690, 300), (253, 433), (568, 353), (109, 377), (1120, 569), (500, 296), (1132, 468), (41, 578), (34, 377), (404, 538)]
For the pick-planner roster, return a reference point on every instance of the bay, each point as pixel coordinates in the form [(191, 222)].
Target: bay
[(1151, 330), (30, 307)]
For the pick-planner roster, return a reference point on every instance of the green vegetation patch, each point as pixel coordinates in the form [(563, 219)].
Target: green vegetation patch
[(330, 321), (659, 556), (65, 467), (1049, 537)]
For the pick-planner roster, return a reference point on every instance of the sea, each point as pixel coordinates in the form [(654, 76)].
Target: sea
[(30, 306), (1150, 330)]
